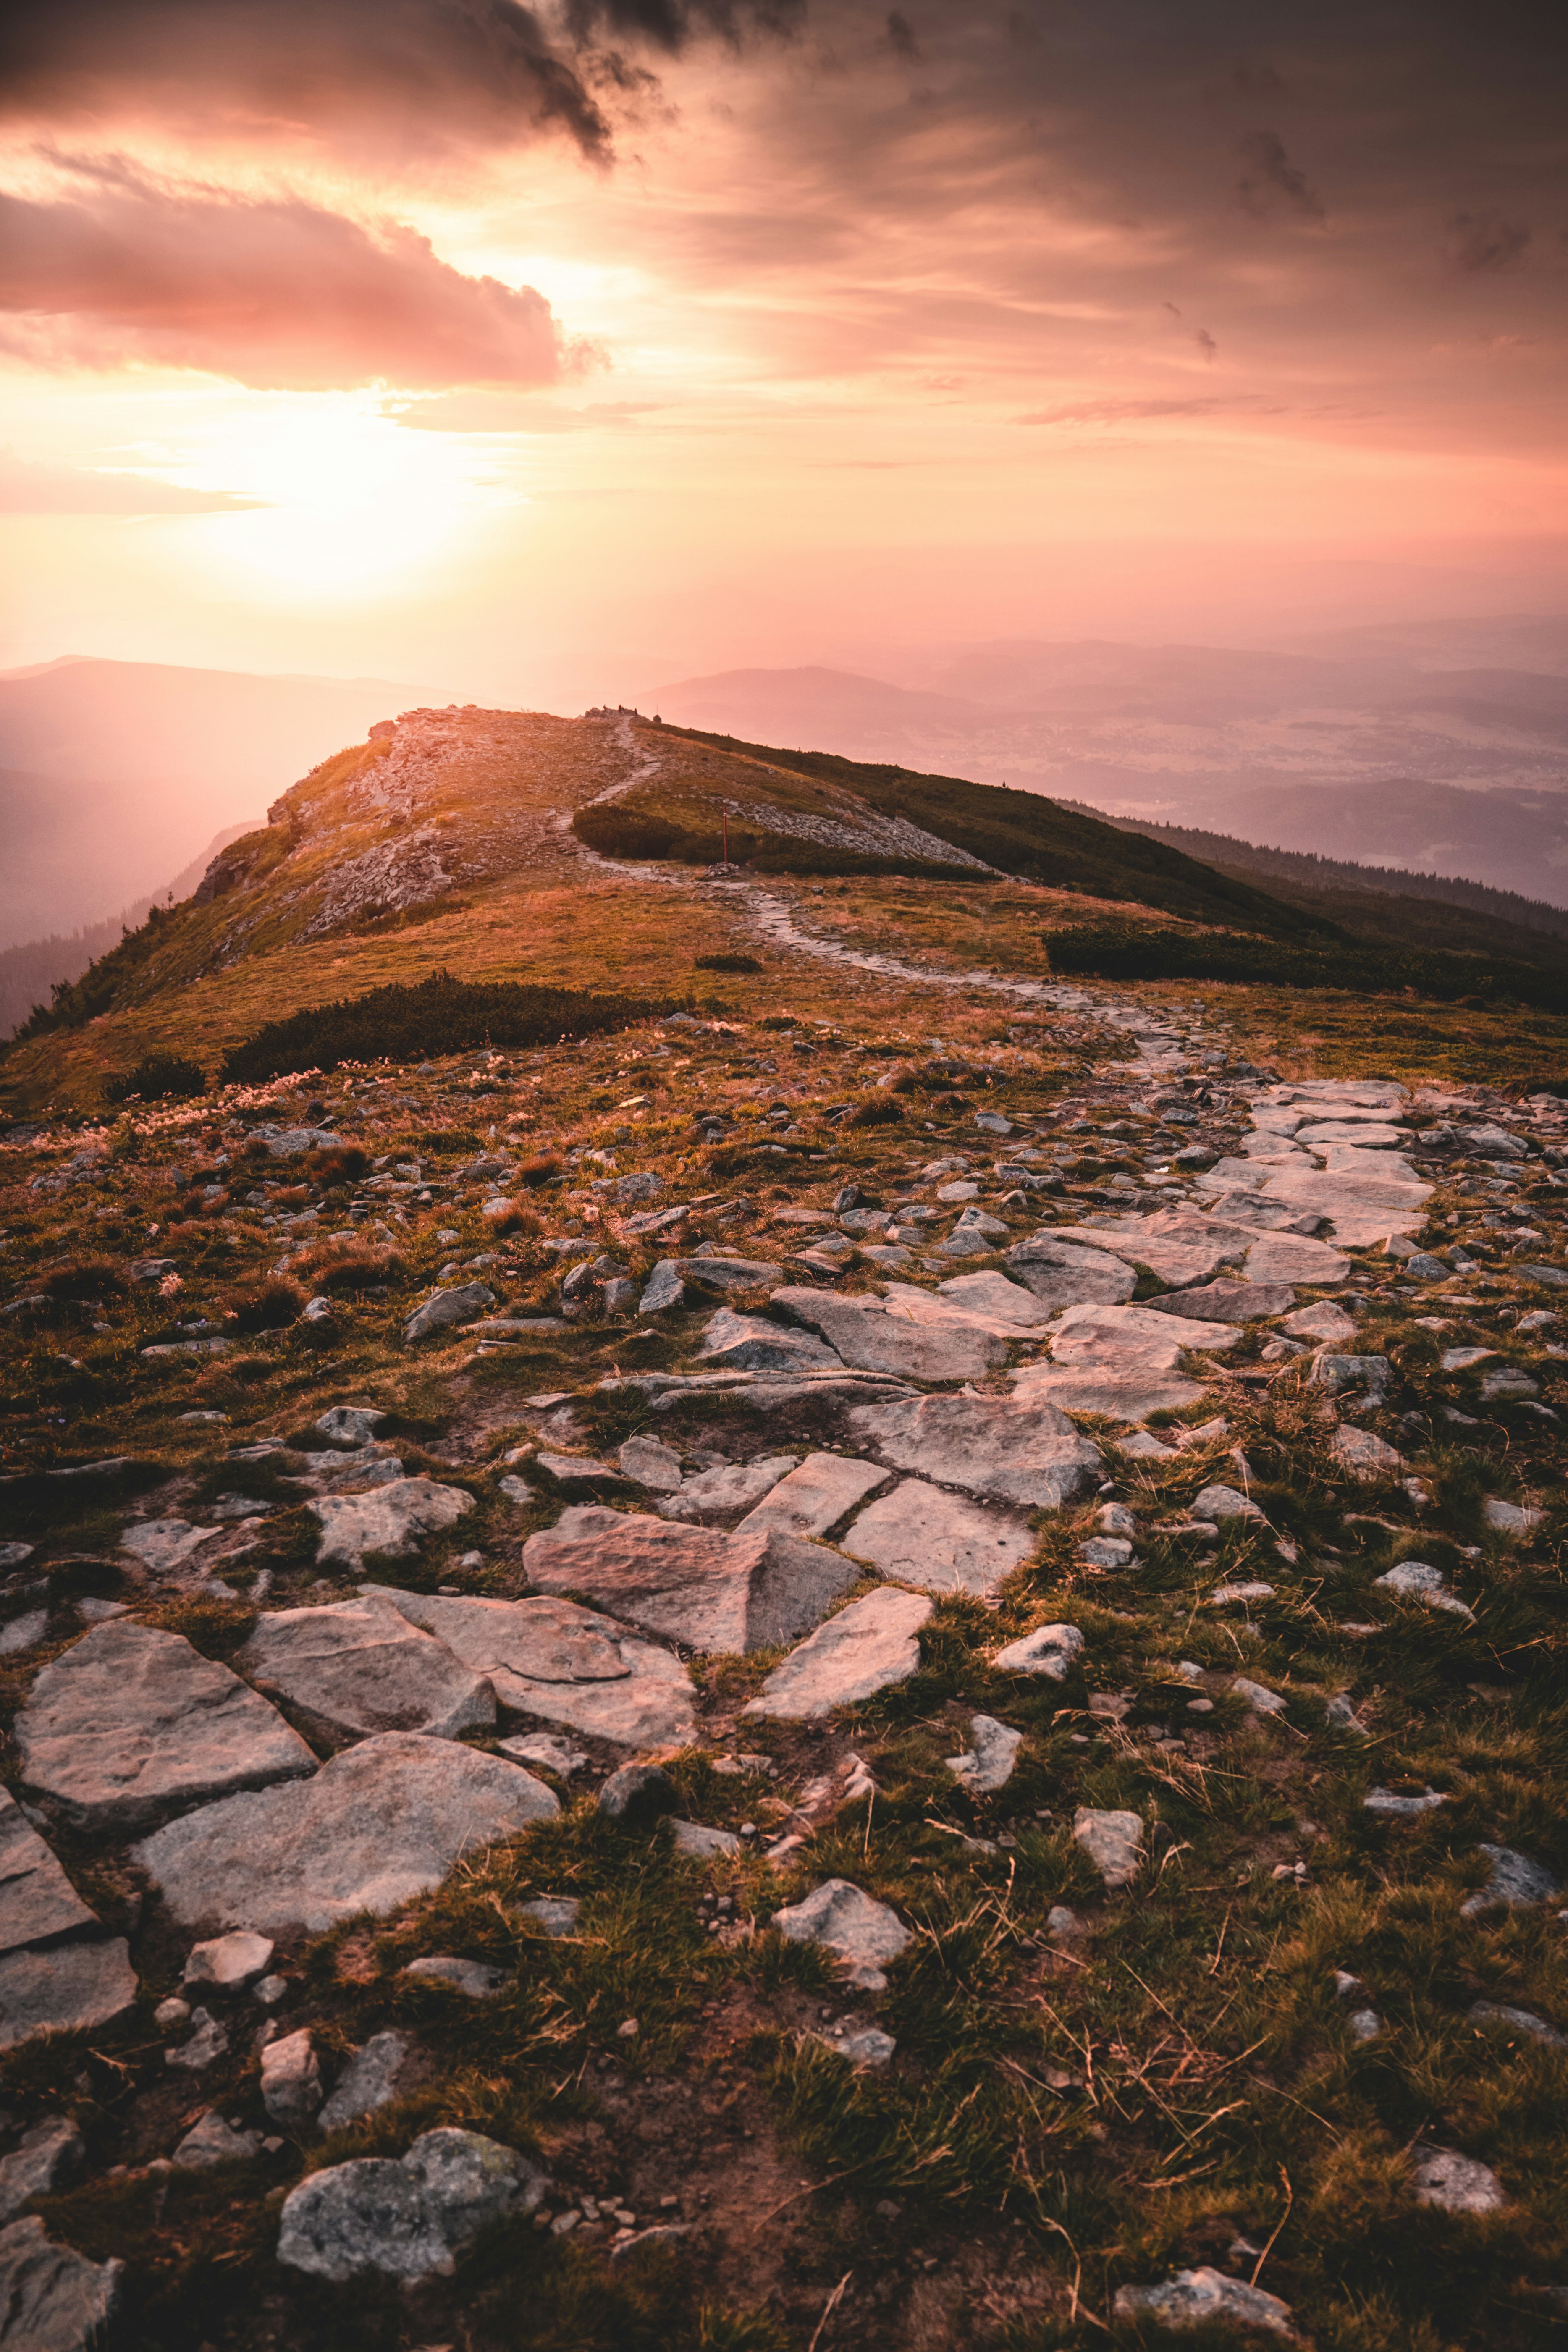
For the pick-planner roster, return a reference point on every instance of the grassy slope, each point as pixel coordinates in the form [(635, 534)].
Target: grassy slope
[(1037, 840)]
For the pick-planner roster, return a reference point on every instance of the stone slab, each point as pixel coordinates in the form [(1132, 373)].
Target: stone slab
[(64, 1989), (941, 1542), (359, 1667), (129, 1720), (1067, 1273), (368, 2081), (712, 1592), (1001, 1448), (814, 1495), (1123, 1361), (875, 1335), (1362, 1204), (52, 2299), (751, 1343), (867, 1646), (382, 1822), (994, 1301), (390, 1520), (566, 1664), (38, 1901), (727, 1488), (1225, 1302)]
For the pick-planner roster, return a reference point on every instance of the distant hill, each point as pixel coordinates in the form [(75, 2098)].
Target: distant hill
[(110, 771)]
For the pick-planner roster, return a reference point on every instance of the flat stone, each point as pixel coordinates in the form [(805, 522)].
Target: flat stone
[(229, 1963), (1226, 1301), (1223, 1503), (576, 1471), (1492, 2012), (163, 1545), (23, 1632), (882, 1335), (542, 1747), (1106, 1552), (351, 1425), (44, 2158), (291, 2081), (1203, 2298), (390, 1521), (1286, 1257), (368, 2081), (1049, 1650), (995, 1303), (852, 1926), (712, 1592), (702, 1844), (1510, 1518), (210, 2141), (1454, 2183), (38, 1901), (941, 1542), (448, 1309), (1122, 1362), (1224, 1595), (63, 1988), (1516, 1883), (1365, 1454), (815, 1495), (1065, 1274), (1113, 1843), (663, 1290), (751, 1343), (1363, 1197), (129, 1719), (359, 1667), (556, 1914), (868, 1645), (1396, 1807), (1007, 1449), (732, 1486), (52, 2299), (1178, 1246), (475, 1980), (987, 1763), (1415, 1579), (1337, 1373), (1324, 1321), (1259, 1698), (405, 2219), (566, 1663), (718, 1273), (651, 1464), (380, 1823)]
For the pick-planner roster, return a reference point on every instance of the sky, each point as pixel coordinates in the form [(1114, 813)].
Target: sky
[(541, 354)]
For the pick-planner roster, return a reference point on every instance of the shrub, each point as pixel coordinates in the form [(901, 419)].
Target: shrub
[(85, 1277), (347, 1265), (725, 963), (510, 1217), (345, 1164), (438, 1015), (268, 1306), (878, 1110), (540, 1169), (1132, 951), (155, 1077)]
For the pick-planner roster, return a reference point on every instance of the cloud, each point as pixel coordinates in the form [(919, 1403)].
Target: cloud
[(901, 37), (395, 78), (28, 488), (505, 412), (1272, 181), (277, 294), (1479, 241), (1118, 412)]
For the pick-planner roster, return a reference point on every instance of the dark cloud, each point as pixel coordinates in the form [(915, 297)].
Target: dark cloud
[(276, 294), (901, 37), (1485, 241), (28, 487), (1270, 181), (398, 77)]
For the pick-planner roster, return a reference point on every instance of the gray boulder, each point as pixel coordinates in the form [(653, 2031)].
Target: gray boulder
[(711, 1593), (873, 1336), (367, 2081), (405, 2219), (750, 1343), (873, 1642), (1203, 2298), (852, 1926), (391, 1520), (360, 1667), (1005, 1448), (448, 1310), (44, 2158), (351, 1425), (129, 1719), (941, 1542), (1516, 1883), (52, 2299), (382, 1822)]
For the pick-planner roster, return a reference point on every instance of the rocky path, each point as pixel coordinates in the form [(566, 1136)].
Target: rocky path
[(1134, 1417)]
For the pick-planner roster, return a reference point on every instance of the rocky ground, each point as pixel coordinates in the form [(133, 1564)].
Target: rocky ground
[(784, 1681)]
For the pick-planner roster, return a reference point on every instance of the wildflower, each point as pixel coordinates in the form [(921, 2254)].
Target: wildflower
[(169, 1285)]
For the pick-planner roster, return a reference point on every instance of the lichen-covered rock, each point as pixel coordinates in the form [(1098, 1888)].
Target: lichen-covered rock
[(391, 1520), (852, 1926), (291, 2081), (1205, 2298), (448, 1309), (987, 1764), (1049, 1650), (405, 2219), (1113, 1841), (368, 2081), (44, 2158), (709, 1592)]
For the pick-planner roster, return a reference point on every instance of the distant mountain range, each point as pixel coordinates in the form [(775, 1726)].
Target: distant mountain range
[(1379, 748), (113, 774)]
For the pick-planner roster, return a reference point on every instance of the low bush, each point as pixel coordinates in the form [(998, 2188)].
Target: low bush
[(347, 1265), (428, 1017), (155, 1078), (540, 1169), (725, 963), (268, 1306), (1131, 952), (344, 1164), (84, 1277), (878, 1110), (616, 831)]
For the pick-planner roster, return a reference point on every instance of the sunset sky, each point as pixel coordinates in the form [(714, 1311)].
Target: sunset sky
[(537, 355)]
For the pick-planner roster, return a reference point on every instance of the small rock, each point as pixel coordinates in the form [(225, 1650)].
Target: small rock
[(651, 1464), (1510, 1518), (663, 1290), (637, 1793), (1203, 2298), (1224, 1595), (1105, 1552), (269, 1991), (391, 1520), (1113, 1843), (1260, 1699), (1221, 1502), (1049, 1650), (1324, 1321), (556, 1914), (1342, 1713), (207, 2043), (367, 2081), (1364, 2024), (475, 1980), (1492, 2012), (211, 2140), (1061, 1921), (1365, 1454), (447, 1309), (44, 2160), (993, 1751), (290, 2081), (700, 1842), (1398, 1808), (863, 2045), (405, 2219), (229, 1963), (351, 1425), (873, 1642), (542, 1747), (1516, 1883), (857, 1929), (1454, 2183), (170, 2013), (1415, 1579)]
